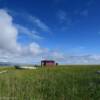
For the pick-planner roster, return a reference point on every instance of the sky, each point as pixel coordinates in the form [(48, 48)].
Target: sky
[(67, 31)]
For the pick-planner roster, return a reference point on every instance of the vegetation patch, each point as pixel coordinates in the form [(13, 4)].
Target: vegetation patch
[(58, 83)]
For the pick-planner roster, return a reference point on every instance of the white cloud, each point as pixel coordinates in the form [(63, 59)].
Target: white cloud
[(73, 59), (32, 33), (39, 23), (8, 33), (54, 55), (12, 51), (35, 49), (10, 48), (83, 59), (57, 56)]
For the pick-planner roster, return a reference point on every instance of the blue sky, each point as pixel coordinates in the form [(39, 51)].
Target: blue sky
[(61, 28)]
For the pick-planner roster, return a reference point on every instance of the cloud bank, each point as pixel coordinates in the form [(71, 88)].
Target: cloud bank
[(10, 48), (12, 51)]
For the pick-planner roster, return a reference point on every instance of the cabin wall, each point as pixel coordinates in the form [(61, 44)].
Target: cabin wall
[(48, 63)]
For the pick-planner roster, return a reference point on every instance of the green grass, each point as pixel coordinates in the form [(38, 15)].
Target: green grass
[(59, 83)]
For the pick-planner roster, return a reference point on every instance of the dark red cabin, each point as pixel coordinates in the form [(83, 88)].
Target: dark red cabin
[(48, 63)]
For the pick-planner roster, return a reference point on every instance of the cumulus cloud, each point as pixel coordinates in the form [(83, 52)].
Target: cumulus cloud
[(12, 51), (8, 33), (10, 48)]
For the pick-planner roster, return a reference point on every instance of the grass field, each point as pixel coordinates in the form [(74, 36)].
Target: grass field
[(60, 83)]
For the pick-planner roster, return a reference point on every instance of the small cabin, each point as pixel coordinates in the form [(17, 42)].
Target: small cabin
[(48, 63)]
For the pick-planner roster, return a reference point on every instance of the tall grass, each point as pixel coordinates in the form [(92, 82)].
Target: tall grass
[(59, 83)]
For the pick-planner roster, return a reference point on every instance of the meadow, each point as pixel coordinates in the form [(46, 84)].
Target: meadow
[(70, 82)]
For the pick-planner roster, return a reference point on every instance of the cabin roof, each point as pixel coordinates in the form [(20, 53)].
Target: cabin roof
[(47, 61)]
